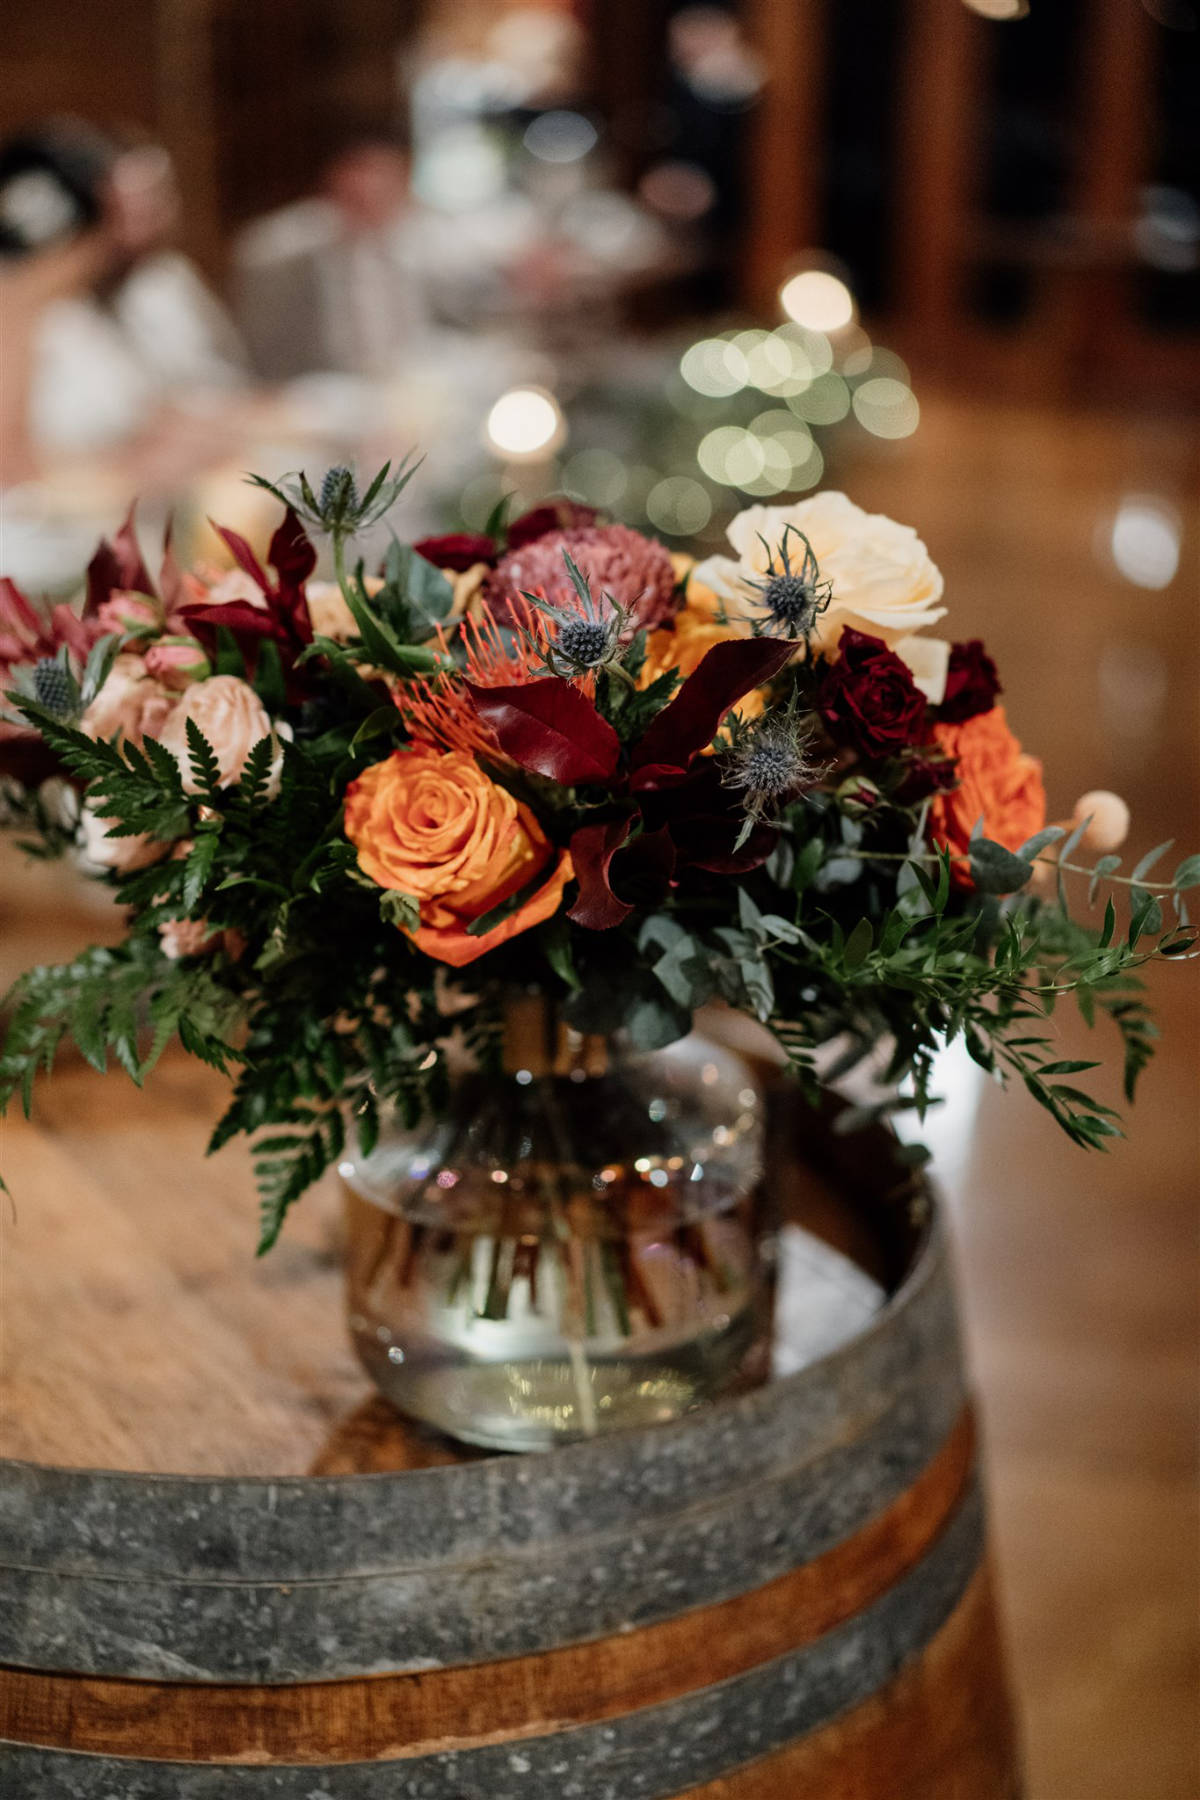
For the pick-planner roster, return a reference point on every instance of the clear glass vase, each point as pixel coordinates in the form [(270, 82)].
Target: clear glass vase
[(575, 1245)]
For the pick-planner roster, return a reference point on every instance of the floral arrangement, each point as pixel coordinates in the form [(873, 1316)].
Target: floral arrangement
[(344, 816)]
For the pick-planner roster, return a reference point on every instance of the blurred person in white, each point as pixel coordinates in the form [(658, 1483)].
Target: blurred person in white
[(335, 281), (112, 337)]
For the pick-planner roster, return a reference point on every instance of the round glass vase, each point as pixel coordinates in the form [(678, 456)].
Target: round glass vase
[(575, 1245)]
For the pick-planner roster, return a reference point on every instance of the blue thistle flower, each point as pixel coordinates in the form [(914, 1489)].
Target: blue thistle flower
[(587, 635), (792, 597), (53, 687)]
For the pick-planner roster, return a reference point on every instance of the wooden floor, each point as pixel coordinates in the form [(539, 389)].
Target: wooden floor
[(1079, 1273)]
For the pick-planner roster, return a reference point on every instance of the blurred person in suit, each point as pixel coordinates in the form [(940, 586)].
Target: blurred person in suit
[(334, 281)]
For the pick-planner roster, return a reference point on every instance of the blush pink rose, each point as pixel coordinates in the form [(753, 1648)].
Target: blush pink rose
[(123, 854), (187, 937), (127, 611), (131, 705), (231, 717), (176, 662)]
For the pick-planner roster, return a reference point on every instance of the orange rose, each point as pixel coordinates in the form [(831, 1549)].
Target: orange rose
[(429, 823), (998, 783)]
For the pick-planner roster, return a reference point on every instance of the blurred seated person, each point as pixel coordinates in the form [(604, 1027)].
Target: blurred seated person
[(334, 282), (107, 326)]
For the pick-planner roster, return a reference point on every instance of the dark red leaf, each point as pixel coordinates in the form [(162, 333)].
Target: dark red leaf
[(103, 577), (117, 567), (725, 675), (291, 554), (654, 776), (558, 514), (550, 728), (238, 616), (714, 847), (457, 550), (170, 576), (134, 573), (602, 856), (592, 850), (242, 554), (704, 818), (650, 861)]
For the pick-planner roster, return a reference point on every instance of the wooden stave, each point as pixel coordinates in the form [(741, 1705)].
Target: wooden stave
[(851, 1454), (577, 1684), (912, 1348), (648, 1753)]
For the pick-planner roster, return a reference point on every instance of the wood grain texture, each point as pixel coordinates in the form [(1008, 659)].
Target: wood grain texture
[(389, 1716), (940, 1731)]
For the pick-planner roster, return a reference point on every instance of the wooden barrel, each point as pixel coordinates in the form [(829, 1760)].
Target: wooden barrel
[(785, 1595)]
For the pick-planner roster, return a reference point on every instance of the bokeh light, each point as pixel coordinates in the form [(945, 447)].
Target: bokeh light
[(999, 9), (678, 190), (596, 476), (714, 367), (1144, 541), (823, 402), (679, 506), (887, 408), (560, 137), (818, 300), (481, 496), (525, 422)]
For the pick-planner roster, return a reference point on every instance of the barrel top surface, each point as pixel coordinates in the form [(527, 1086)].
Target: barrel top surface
[(141, 1342), (380, 1563)]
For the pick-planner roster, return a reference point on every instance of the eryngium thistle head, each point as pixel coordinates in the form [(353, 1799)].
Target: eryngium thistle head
[(585, 642), (339, 495), (53, 687), (769, 762), (792, 602), (792, 591)]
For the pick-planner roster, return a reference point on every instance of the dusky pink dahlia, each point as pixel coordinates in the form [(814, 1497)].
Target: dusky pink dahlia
[(615, 559)]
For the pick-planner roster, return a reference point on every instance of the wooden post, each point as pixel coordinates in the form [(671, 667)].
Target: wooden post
[(1115, 120), (187, 119), (786, 142), (938, 156)]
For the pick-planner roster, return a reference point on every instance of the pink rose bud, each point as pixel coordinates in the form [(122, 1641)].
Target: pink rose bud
[(127, 611), (177, 661), (1109, 817), (187, 937)]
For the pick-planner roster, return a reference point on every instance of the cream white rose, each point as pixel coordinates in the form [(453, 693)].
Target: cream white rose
[(882, 578), (233, 719)]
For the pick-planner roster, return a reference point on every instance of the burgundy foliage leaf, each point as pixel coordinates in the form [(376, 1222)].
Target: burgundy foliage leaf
[(550, 728), (242, 554), (457, 550), (284, 617), (291, 553), (117, 567), (725, 675), (604, 855), (593, 847), (559, 514), (704, 818)]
